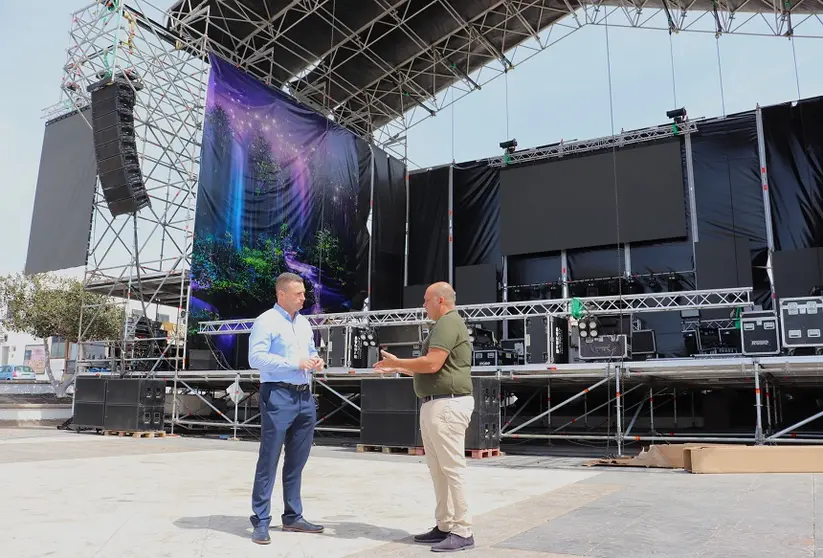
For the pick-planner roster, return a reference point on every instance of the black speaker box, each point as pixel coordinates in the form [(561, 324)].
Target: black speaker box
[(390, 413), (134, 418), (115, 147), (135, 404), (483, 431), (90, 389), (89, 401), (388, 428), (136, 391), (388, 395), (89, 414), (486, 395)]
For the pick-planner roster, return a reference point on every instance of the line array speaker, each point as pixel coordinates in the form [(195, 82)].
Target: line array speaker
[(115, 146)]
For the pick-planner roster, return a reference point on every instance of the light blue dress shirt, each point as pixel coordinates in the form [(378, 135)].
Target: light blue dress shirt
[(277, 345)]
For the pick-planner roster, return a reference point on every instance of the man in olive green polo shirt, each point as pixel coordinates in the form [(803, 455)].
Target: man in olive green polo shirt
[(442, 379)]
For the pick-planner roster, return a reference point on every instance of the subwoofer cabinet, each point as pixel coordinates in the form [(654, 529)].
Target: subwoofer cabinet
[(390, 413), (135, 404)]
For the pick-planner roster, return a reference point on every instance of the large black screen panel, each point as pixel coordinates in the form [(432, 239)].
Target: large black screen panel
[(575, 202), (61, 219)]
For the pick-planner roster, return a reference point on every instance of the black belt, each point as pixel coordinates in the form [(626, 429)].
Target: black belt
[(295, 387), (428, 398)]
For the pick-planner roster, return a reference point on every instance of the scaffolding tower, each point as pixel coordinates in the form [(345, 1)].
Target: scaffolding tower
[(142, 261)]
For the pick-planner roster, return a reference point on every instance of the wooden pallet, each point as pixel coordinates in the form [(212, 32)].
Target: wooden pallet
[(390, 449), (484, 453), (136, 434)]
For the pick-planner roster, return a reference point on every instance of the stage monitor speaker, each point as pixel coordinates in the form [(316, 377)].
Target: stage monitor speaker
[(115, 146), (202, 359), (644, 342)]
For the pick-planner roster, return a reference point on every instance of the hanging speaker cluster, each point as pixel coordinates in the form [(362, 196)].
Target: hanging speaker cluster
[(115, 145)]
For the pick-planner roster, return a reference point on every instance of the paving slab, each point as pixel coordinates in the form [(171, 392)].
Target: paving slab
[(171, 497)]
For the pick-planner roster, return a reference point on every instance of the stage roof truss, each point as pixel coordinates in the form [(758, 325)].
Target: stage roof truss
[(379, 67)]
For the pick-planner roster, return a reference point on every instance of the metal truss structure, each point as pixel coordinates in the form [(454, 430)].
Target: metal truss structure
[(601, 305), (388, 65), (573, 147), (143, 259), (641, 399)]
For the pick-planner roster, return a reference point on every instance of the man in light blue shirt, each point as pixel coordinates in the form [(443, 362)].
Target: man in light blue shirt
[(281, 348)]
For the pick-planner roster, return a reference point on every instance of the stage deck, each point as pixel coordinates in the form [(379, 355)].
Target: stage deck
[(788, 369)]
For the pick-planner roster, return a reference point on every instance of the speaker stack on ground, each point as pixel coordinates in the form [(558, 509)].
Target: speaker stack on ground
[(115, 145), (390, 414), (89, 402), (484, 428), (135, 404), (119, 404)]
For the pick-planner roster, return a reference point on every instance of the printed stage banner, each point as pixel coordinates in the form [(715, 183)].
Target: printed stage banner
[(281, 189)]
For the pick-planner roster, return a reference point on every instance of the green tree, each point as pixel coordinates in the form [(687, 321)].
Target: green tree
[(46, 306)]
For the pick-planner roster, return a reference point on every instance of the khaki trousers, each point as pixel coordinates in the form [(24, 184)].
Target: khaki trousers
[(443, 424)]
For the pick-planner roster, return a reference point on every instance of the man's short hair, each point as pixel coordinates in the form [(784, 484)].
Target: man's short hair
[(284, 279)]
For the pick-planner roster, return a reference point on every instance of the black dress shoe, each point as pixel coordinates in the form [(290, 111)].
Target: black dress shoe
[(433, 536), (261, 534), (303, 526)]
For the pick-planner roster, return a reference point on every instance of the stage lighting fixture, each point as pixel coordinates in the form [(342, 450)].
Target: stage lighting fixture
[(678, 115), (509, 146), (588, 326)]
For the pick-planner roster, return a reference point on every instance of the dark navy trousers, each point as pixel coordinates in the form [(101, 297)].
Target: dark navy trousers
[(287, 418)]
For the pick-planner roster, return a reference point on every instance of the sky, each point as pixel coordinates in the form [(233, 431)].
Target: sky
[(563, 93)]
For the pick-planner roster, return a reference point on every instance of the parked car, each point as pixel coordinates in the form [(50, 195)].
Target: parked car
[(17, 372)]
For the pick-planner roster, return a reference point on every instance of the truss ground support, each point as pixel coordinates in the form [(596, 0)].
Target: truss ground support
[(168, 116)]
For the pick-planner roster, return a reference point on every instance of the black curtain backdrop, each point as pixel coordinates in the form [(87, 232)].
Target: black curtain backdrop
[(729, 205), (429, 226), (728, 191), (794, 160), (388, 232), (364, 160), (476, 200)]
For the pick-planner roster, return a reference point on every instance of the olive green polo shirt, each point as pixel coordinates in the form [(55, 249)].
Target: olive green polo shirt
[(450, 334)]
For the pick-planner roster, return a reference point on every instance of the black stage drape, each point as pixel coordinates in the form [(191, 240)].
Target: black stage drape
[(476, 200), (794, 160), (388, 232), (428, 226), (729, 194)]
